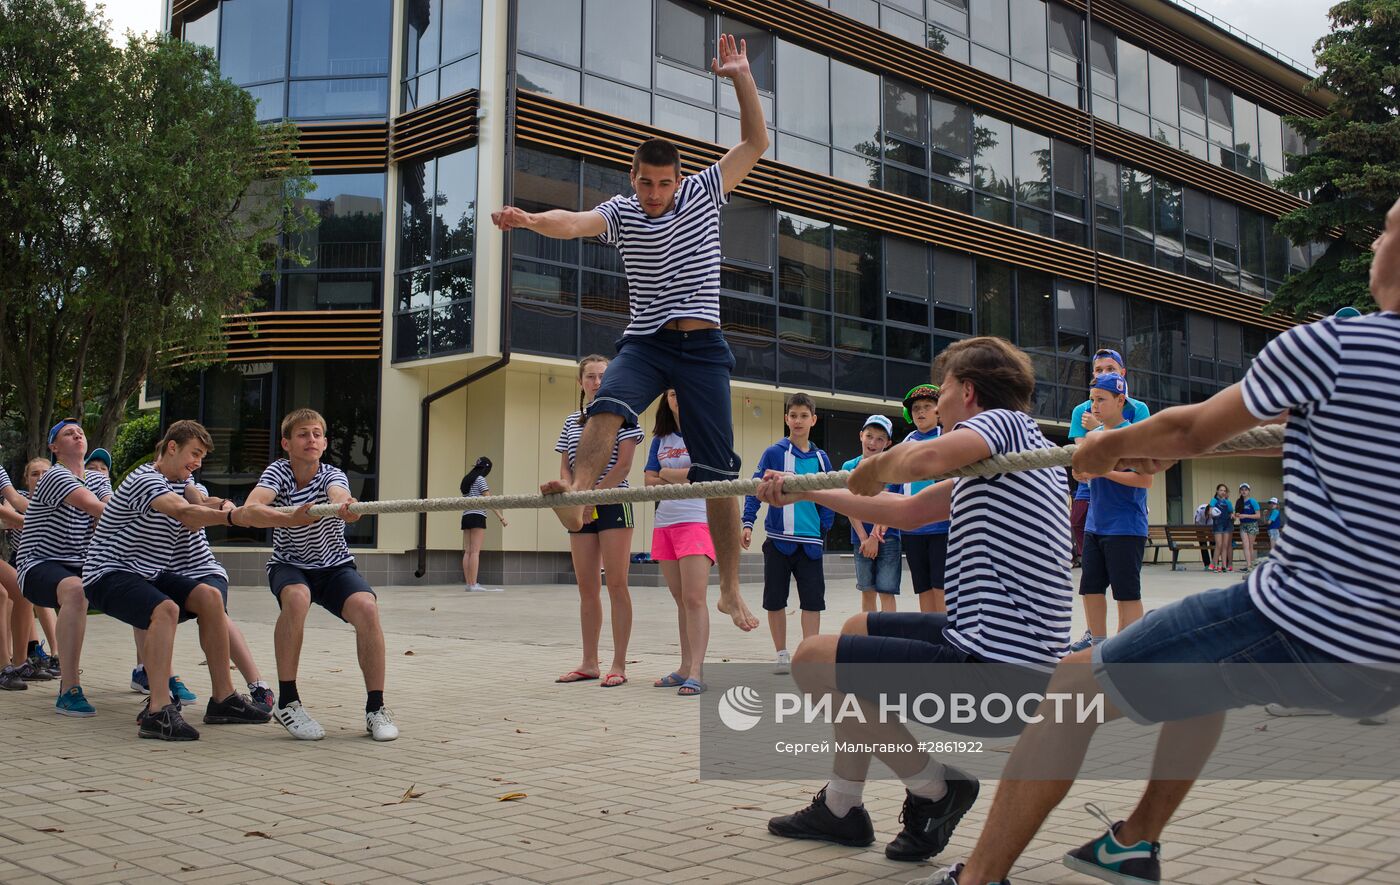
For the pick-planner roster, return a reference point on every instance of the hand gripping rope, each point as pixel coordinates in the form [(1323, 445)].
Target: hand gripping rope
[(1269, 437)]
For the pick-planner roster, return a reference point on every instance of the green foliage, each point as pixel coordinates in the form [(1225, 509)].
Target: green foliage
[(135, 439), (1354, 167), (118, 476)]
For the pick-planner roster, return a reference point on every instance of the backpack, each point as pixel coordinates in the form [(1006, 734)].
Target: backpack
[(1203, 515)]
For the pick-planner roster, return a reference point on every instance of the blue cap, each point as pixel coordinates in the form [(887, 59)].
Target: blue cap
[(53, 431), (1347, 313), (881, 422), (1111, 354), (1112, 382), (99, 455)]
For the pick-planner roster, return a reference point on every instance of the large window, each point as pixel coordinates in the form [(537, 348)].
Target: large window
[(344, 252), (437, 233), (442, 42)]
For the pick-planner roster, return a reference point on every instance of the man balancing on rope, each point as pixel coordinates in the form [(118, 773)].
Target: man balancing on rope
[(669, 238)]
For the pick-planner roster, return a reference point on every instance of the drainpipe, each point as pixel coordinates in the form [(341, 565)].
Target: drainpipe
[(425, 407)]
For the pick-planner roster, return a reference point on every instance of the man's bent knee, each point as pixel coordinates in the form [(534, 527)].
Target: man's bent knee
[(855, 625), (361, 610), (295, 599), (205, 600), (166, 614), (816, 650)]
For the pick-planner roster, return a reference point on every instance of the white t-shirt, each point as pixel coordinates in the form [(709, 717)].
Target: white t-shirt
[(669, 451)]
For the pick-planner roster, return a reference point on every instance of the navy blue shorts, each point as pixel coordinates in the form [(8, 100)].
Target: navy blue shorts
[(1216, 651), (779, 570), (40, 584), (132, 599), (218, 582), (697, 366), (928, 560), (330, 587), (1112, 561)]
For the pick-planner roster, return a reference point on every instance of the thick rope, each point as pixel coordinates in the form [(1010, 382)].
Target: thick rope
[(1270, 437)]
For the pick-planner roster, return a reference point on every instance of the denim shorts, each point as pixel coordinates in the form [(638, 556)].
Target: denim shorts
[(1216, 651), (882, 573)]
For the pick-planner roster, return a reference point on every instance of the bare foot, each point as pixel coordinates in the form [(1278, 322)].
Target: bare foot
[(571, 516), (732, 604)]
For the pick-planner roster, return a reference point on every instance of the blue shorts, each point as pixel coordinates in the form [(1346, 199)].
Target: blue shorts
[(132, 599), (882, 573), (1216, 651), (781, 569), (697, 366), (330, 587), (1112, 561), (41, 580), (928, 560), (218, 582)]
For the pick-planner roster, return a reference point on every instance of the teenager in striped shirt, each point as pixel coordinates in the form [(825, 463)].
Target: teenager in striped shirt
[(668, 235), (1333, 620), (1008, 596)]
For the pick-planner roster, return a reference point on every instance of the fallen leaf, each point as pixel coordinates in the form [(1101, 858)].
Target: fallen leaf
[(745, 807), (407, 795), (336, 670), (521, 731), (188, 869), (511, 797), (49, 829), (259, 833), (409, 652), (1261, 728), (196, 811), (526, 842), (92, 791), (433, 609), (604, 811)]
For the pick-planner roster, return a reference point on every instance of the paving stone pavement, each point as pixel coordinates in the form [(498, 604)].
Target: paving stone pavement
[(611, 780)]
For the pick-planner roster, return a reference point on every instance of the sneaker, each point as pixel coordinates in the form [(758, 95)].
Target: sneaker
[(477, 588), (1083, 642), (817, 822), (298, 722), (167, 725), (929, 823), (74, 703), (1108, 859), (52, 665), (236, 709), (783, 664), (1281, 710), (380, 725), (1373, 720), (949, 876), (179, 692), (262, 698), (139, 681), (30, 673), (10, 680)]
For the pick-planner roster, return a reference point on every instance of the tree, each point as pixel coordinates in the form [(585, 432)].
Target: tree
[(1353, 170)]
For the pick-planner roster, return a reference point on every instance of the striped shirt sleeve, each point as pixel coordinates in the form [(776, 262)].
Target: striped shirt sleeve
[(5, 480), (1000, 434), (100, 484), (712, 183), (563, 444), (1297, 369), (336, 478), (636, 434), (611, 210), (55, 486)]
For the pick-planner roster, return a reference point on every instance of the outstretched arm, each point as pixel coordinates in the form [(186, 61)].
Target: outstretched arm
[(559, 224), (733, 64), (1178, 432)]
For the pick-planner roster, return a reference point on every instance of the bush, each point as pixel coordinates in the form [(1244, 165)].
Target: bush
[(136, 439)]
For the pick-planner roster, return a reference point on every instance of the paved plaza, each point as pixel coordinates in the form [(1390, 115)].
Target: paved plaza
[(609, 776)]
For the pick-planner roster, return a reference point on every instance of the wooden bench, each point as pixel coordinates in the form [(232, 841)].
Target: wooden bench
[(1157, 541), (1186, 537)]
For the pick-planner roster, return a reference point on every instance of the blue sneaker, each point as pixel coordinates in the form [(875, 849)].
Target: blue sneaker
[(1083, 642), (139, 681), (179, 692), (73, 703), (1109, 860)]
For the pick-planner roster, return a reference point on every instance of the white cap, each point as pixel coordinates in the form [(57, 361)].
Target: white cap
[(1273, 500), (881, 422)]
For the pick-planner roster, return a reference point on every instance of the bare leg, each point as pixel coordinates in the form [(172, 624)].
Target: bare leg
[(887, 602), (777, 627), (139, 636), (207, 603), (21, 614), (1128, 613), (867, 600), (811, 624), (587, 556), (727, 532), (595, 446), (1096, 613), (291, 625), (695, 581), (6, 612), (48, 623), (1247, 543), (933, 600), (671, 571), (471, 558), (72, 626), (241, 654), (159, 650), (362, 611), (616, 546)]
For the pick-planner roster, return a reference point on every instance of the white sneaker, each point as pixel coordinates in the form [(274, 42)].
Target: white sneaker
[(477, 588), (1281, 710), (380, 725), (783, 664), (298, 722)]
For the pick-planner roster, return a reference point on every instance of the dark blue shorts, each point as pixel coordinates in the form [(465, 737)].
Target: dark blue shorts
[(40, 584), (607, 517), (697, 366), (781, 569), (330, 588), (132, 599), (1216, 651), (1112, 561), (218, 582), (928, 560)]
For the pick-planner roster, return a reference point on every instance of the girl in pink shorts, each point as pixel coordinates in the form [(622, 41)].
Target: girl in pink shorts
[(681, 543)]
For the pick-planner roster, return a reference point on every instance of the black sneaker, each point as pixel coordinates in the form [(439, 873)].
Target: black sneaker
[(817, 822), (236, 709), (262, 698), (167, 725), (50, 663), (929, 823), (31, 672), (1110, 860), (10, 680)]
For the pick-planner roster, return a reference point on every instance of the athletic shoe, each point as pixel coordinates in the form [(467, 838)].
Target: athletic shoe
[(1282, 711), (179, 692), (1083, 642), (1108, 859), (74, 703), (929, 823), (51, 664), (10, 680), (167, 725), (30, 673), (950, 877), (380, 725), (43, 663), (298, 722), (783, 664), (1373, 720), (139, 681), (262, 698), (236, 709), (477, 588), (817, 822)]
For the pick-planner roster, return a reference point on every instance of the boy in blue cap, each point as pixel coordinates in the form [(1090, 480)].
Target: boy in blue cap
[(926, 547), (877, 547)]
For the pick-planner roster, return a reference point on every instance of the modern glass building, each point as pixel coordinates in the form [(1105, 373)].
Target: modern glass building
[(1066, 174)]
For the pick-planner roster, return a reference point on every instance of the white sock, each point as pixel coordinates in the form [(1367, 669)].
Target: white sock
[(929, 783), (259, 684), (843, 795), (782, 653)]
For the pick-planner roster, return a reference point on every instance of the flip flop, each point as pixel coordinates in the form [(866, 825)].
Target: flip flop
[(613, 680), (576, 676), (691, 687), (671, 681)]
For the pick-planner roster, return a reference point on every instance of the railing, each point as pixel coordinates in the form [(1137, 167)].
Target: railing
[(1241, 35)]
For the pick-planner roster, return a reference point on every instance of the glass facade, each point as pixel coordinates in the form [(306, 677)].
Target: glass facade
[(442, 46), (437, 237), (303, 59), (344, 252)]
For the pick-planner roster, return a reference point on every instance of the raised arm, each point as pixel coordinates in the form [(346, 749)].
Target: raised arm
[(559, 224), (733, 64)]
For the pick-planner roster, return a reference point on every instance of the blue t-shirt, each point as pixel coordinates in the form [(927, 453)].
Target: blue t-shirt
[(1275, 519), (890, 533), (1220, 519), (1135, 411), (1249, 508), (913, 488), (1116, 509)]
